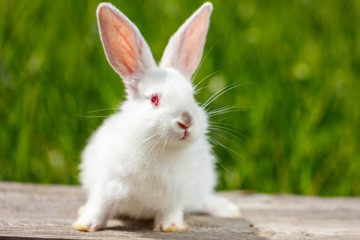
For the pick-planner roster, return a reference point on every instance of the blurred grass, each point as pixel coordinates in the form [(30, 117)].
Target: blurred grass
[(300, 60)]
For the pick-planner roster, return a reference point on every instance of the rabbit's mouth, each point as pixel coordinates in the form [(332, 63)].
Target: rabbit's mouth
[(184, 123), (186, 134)]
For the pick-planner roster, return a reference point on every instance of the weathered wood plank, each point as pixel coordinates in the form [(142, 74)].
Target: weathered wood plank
[(40, 211)]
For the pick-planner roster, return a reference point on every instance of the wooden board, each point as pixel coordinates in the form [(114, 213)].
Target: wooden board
[(30, 211)]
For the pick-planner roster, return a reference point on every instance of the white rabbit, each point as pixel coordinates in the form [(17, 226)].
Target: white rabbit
[(152, 159)]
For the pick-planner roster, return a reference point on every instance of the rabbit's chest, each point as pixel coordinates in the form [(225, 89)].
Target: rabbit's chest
[(160, 180), (160, 177)]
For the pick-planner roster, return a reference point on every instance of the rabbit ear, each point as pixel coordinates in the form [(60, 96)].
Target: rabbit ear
[(186, 46), (125, 48)]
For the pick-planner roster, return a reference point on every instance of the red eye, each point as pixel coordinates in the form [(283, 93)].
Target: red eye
[(155, 100)]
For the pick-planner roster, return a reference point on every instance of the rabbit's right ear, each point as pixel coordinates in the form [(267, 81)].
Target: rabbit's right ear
[(125, 48), (186, 46)]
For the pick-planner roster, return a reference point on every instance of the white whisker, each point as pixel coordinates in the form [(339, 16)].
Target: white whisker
[(210, 75), (199, 90), (220, 92), (104, 109), (82, 116), (216, 142), (224, 110), (149, 142), (219, 161), (222, 133), (229, 130), (203, 59)]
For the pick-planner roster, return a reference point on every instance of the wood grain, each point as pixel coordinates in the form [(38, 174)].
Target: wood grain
[(31, 211)]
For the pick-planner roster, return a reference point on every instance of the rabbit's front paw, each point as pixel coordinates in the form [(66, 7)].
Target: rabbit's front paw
[(93, 215), (87, 225), (170, 222), (169, 227)]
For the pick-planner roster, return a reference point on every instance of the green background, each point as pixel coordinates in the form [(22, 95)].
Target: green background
[(299, 61)]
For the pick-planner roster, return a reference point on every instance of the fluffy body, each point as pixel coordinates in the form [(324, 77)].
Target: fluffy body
[(128, 160)]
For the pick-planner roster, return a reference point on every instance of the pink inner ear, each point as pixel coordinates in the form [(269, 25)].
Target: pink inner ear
[(119, 42), (193, 42)]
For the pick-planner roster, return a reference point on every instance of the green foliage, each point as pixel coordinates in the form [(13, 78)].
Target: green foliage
[(300, 60)]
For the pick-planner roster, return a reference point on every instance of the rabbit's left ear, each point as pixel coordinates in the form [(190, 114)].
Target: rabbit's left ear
[(125, 48), (186, 46)]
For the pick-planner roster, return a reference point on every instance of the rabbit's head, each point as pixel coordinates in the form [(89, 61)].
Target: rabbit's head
[(161, 96)]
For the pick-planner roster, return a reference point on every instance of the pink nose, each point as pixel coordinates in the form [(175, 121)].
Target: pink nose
[(184, 126)]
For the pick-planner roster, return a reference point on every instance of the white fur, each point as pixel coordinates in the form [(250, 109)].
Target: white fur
[(137, 163)]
